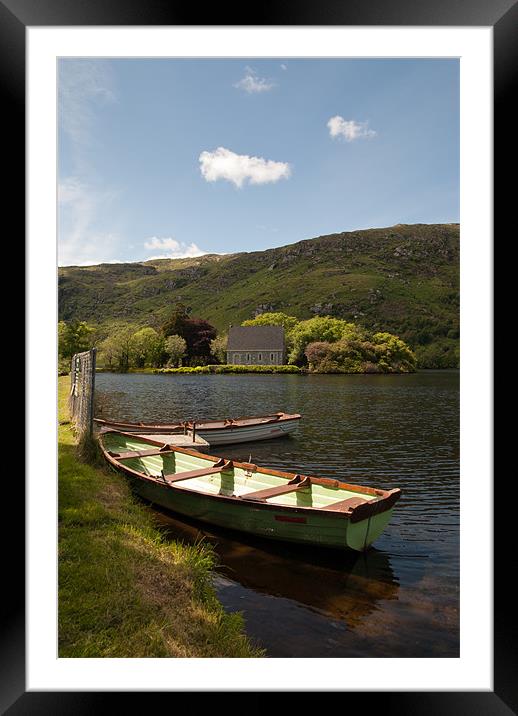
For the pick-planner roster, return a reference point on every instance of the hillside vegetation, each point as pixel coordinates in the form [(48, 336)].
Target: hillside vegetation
[(403, 279)]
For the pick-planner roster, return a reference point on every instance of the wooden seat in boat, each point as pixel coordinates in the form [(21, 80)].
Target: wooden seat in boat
[(297, 483), (220, 466), (140, 453), (345, 505)]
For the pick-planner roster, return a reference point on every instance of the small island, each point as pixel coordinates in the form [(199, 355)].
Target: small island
[(269, 343)]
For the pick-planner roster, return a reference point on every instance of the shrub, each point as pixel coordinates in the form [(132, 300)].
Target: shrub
[(384, 353), (320, 329), (63, 366), (438, 356), (215, 369)]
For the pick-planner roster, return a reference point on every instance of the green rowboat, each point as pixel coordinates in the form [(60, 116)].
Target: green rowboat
[(242, 496)]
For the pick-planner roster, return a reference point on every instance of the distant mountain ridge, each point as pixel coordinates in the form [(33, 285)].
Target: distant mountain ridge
[(403, 278)]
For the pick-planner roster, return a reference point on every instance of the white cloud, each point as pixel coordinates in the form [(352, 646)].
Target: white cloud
[(252, 84), (70, 191), (349, 129), (88, 231), (239, 168), (171, 248), (83, 87)]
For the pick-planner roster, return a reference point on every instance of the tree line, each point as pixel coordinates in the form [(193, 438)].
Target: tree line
[(332, 345), (320, 344)]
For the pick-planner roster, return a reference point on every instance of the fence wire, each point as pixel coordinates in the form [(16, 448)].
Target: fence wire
[(82, 390)]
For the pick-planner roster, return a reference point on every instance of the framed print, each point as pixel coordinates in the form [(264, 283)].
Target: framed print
[(417, 626)]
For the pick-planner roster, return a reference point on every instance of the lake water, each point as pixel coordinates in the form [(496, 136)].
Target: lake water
[(401, 598)]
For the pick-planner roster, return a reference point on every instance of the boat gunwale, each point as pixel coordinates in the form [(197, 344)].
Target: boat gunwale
[(206, 425), (383, 500)]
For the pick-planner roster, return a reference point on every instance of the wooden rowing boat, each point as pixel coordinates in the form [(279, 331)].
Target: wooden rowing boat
[(218, 432), (242, 496)]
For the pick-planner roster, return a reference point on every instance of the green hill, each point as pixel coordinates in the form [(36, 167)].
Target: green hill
[(403, 279)]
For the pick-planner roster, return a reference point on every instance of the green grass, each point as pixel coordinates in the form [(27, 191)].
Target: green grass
[(123, 590), (204, 369)]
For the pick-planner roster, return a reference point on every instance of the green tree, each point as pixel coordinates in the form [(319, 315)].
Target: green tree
[(197, 333), (175, 324), (320, 329), (218, 348), (74, 337), (381, 353), (273, 319), (394, 352), (148, 348), (116, 351), (175, 347)]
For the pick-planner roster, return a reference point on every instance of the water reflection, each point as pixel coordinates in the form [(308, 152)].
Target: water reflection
[(343, 585), (401, 598)]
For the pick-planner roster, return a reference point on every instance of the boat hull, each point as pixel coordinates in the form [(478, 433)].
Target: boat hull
[(218, 432), (242, 496), (330, 531), (248, 434)]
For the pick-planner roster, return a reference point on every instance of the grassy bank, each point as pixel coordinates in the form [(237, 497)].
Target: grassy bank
[(124, 591), (240, 369), (233, 369)]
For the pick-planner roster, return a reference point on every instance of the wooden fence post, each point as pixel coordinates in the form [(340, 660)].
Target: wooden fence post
[(90, 424), (82, 391)]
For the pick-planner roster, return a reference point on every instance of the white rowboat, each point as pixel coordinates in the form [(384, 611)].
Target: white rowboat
[(217, 432)]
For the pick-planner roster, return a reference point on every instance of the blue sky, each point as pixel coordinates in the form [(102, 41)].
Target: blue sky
[(173, 157)]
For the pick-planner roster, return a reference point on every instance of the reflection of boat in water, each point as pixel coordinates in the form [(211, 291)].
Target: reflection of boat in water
[(345, 585)]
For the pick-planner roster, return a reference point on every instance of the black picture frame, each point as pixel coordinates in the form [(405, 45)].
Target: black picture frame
[(15, 17)]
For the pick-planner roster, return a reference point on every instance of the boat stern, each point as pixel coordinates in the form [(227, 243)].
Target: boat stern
[(367, 523)]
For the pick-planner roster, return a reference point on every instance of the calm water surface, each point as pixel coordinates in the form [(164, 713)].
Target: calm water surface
[(401, 598)]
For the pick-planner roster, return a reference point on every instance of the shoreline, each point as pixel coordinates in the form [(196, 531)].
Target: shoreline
[(265, 370), (124, 591)]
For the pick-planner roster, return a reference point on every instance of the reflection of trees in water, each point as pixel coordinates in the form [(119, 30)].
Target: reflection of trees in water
[(344, 585)]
